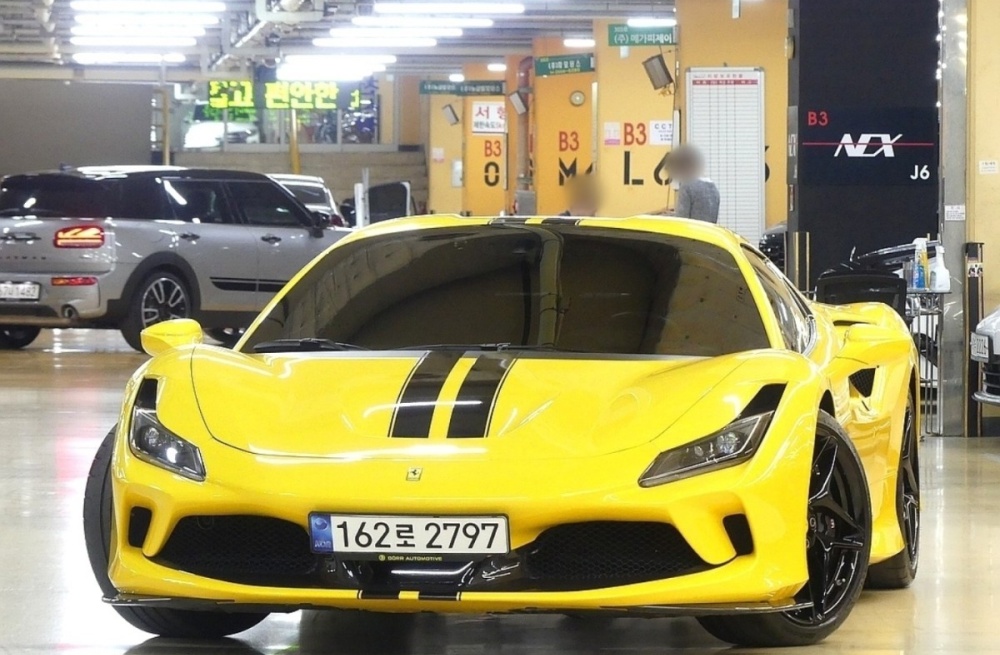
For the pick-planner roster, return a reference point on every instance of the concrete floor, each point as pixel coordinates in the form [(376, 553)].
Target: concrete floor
[(59, 397)]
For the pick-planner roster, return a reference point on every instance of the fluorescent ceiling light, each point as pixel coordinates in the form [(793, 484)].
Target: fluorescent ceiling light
[(496, 68), (336, 60), (87, 58), (448, 8), (652, 22), (579, 43), (135, 41), (146, 19), (401, 42), (311, 73), (421, 21), (393, 32), (457, 78), (147, 30), (149, 6)]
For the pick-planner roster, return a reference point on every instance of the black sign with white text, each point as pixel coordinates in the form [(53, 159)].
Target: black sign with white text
[(868, 147)]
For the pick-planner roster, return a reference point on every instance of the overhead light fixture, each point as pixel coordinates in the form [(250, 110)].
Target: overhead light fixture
[(135, 41), (157, 20), (658, 72), (302, 72), (150, 30), (575, 42), (89, 58), (498, 67), (448, 8), (388, 20), (394, 32), (149, 6), (352, 43), (457, 78), (337, 60), (646, 21)]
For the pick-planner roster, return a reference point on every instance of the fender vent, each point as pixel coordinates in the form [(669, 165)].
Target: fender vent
[(864, 381)]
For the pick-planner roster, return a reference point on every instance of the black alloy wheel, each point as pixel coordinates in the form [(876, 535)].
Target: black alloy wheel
[(900, 570)]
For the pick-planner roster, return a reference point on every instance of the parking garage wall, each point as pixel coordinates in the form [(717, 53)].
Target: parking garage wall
[(46, 124)]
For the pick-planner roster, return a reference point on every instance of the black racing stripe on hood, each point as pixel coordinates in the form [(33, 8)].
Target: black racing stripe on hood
[(470, 419), (417, 401)]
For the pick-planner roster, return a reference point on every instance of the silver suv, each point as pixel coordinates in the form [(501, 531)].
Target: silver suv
[(128, 247)]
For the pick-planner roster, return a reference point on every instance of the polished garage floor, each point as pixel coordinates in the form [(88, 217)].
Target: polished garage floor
[(59, 398)]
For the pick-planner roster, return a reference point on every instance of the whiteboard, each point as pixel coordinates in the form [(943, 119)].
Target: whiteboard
[(725, 120)]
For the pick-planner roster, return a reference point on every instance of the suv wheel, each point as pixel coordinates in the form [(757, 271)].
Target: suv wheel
[(18, 336), (161, 297)]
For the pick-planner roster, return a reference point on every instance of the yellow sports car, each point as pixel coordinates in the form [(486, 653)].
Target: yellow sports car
[(634, 416)]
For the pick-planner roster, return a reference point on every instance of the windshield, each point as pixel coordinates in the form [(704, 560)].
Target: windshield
[(54, 195), (565, 287), (308, 194)]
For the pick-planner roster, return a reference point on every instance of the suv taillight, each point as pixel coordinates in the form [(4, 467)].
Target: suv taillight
[(89, 236)]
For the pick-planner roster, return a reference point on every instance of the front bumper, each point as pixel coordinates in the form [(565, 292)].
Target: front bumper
[(770, 491)]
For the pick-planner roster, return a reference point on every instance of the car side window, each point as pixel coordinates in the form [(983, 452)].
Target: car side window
[(198, 201), (793, 317), (143, 198), (264, 204)]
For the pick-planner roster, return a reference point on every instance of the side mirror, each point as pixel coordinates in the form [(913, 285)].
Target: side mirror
[(160, 338), (321, 219), (867, 346)]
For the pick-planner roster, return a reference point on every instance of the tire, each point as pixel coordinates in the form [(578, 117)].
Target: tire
[(228, 337), (16, 337), (97, 527), (161, 296), (900, 570), (839, 504)]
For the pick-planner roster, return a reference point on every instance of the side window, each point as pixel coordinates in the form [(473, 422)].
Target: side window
[(264, 204), (793, 320), (198, 201), (143, 198)]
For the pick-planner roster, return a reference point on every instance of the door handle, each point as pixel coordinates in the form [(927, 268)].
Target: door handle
[(190, 236), (270, 238)]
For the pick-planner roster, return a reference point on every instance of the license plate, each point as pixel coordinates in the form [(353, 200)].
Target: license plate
[(980, 347), (409, 538), (20, 291)]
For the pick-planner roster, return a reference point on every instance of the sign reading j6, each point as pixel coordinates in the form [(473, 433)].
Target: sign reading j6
[(858, 147)]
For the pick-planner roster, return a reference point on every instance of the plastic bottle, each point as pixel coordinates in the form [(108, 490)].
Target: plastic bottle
[(920, 272), (940, 278)]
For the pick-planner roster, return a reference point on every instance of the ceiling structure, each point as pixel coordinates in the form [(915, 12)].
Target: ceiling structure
[(46, 39)]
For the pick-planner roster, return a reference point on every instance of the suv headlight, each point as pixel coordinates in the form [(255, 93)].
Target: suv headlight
[(153, 443), (734, 444)]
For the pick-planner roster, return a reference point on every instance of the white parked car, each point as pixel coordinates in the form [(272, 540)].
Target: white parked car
[(312, 192)]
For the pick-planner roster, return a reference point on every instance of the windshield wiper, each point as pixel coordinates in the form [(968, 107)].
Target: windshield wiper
[(488, 347), (304, 346)]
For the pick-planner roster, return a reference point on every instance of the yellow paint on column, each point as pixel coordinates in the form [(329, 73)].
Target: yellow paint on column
[(387, 102), (445, 150), (630, 152), (485, 158), (983, 212), (408, 93), (563, 133), (710, 37)]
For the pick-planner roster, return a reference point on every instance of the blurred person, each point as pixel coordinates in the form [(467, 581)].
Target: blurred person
[(697, 196), (584, 196)]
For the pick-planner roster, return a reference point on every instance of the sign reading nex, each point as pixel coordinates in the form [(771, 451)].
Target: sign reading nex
[(564, 65), (239, 94)]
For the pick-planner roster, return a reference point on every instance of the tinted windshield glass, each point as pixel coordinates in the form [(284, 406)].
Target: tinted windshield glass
[(55, 195), (308, 195), (581, 289)]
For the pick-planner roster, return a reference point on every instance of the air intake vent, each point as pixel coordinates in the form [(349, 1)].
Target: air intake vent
[(864, 381)]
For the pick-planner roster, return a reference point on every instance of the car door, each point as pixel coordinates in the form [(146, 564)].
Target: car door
[(208, 235), (287, 236)]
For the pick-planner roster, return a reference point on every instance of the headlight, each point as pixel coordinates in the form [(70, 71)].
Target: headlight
[(153, 443), (734, 444)]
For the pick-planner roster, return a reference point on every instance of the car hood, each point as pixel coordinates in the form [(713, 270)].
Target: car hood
[(500, 405)]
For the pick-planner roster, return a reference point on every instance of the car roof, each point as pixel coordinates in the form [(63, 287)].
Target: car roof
[(289, 178), (667, 225), (98, 173)]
